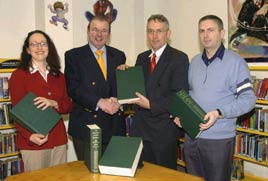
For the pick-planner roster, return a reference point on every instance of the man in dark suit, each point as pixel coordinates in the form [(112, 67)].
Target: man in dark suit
[(92, 86), (152, 120)]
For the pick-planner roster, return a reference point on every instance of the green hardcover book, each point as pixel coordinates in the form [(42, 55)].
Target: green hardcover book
[(129, 82), (189, 112), (121, 156), (92, 147), (30, 117)]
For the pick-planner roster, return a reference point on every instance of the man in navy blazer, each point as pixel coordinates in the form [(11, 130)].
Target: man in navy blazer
[(94, 95), (152, 120)]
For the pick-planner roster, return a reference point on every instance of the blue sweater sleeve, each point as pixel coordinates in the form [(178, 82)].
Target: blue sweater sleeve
[(245, 97)]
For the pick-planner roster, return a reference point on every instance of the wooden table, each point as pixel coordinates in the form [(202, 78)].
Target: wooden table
[(76, 170)]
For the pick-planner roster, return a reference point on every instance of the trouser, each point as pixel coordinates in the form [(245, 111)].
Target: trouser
[(37, 159), (209, 158)]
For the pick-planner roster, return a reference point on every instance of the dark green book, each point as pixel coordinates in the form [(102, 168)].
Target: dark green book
[(92, 147), (129, 82), (121, 156), (33, 119), (189, 112)]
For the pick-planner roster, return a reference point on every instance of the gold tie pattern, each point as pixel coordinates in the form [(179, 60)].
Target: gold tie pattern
[(101, 63)]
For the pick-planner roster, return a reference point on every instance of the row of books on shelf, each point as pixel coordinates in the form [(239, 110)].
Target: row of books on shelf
[(252, 146), (8, 141), (260, 87), (4, 114), (257, 119), (10, 166), (4, 90)]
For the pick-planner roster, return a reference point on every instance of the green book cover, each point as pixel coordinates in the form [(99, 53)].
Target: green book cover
[(129, 82), (30, 117), (121, 156), (92, 147), (189, 112)]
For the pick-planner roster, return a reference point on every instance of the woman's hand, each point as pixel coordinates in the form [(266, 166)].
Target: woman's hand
[(43, 103), (38, 139)]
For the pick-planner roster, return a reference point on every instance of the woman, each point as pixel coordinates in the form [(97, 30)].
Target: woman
[(39, 72)]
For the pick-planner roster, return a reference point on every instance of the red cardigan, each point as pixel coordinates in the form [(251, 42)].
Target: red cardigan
[(22, 82)]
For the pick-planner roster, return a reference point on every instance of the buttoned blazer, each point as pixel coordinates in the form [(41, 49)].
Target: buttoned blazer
[(169, 76), (86, 85)]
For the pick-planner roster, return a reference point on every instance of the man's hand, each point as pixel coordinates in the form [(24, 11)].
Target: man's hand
[(142, 101), (177, 122), (38, 139), (109, 105), (211, 118), (122, 67)]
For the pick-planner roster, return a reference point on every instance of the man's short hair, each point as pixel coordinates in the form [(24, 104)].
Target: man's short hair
[(213, 18)]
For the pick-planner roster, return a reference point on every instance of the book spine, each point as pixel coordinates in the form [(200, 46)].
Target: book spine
[(5, 88), (189, 102), (95, 149)]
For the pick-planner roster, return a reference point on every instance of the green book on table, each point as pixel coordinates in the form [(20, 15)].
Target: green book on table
[(92, 147), (129, 82), (32, 118), (121, 156), (189, 112)]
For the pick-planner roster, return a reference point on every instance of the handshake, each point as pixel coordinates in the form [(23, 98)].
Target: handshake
[(109, 105)]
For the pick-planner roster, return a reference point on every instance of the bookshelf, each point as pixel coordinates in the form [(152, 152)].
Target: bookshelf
[(9, 154), (255, 162)]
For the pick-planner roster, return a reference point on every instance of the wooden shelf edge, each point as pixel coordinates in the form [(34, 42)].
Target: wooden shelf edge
[(251, 177), (5, 100), (251, 160), (9, 155), (6, 70), (252, 131), (258, 68), (2, 127), (181, 163), (264, 102)]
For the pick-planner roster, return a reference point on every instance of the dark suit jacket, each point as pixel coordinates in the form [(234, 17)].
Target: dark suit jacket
[(86, 85), (169, 76)]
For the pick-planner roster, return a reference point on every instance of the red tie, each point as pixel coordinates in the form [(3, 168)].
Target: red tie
[(153, 63)]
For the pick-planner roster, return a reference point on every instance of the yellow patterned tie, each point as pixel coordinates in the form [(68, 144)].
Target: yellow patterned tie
[(101, 63)]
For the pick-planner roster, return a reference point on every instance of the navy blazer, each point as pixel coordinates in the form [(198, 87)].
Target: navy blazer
[(86, 85), (169, 76)]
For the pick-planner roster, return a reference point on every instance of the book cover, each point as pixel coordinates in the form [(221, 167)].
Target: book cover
[(189, 112), (129, 82), (92, 146), (30, 117), (121, 156)]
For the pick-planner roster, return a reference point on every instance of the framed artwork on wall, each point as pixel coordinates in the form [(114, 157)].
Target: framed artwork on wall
[(248, 29)]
